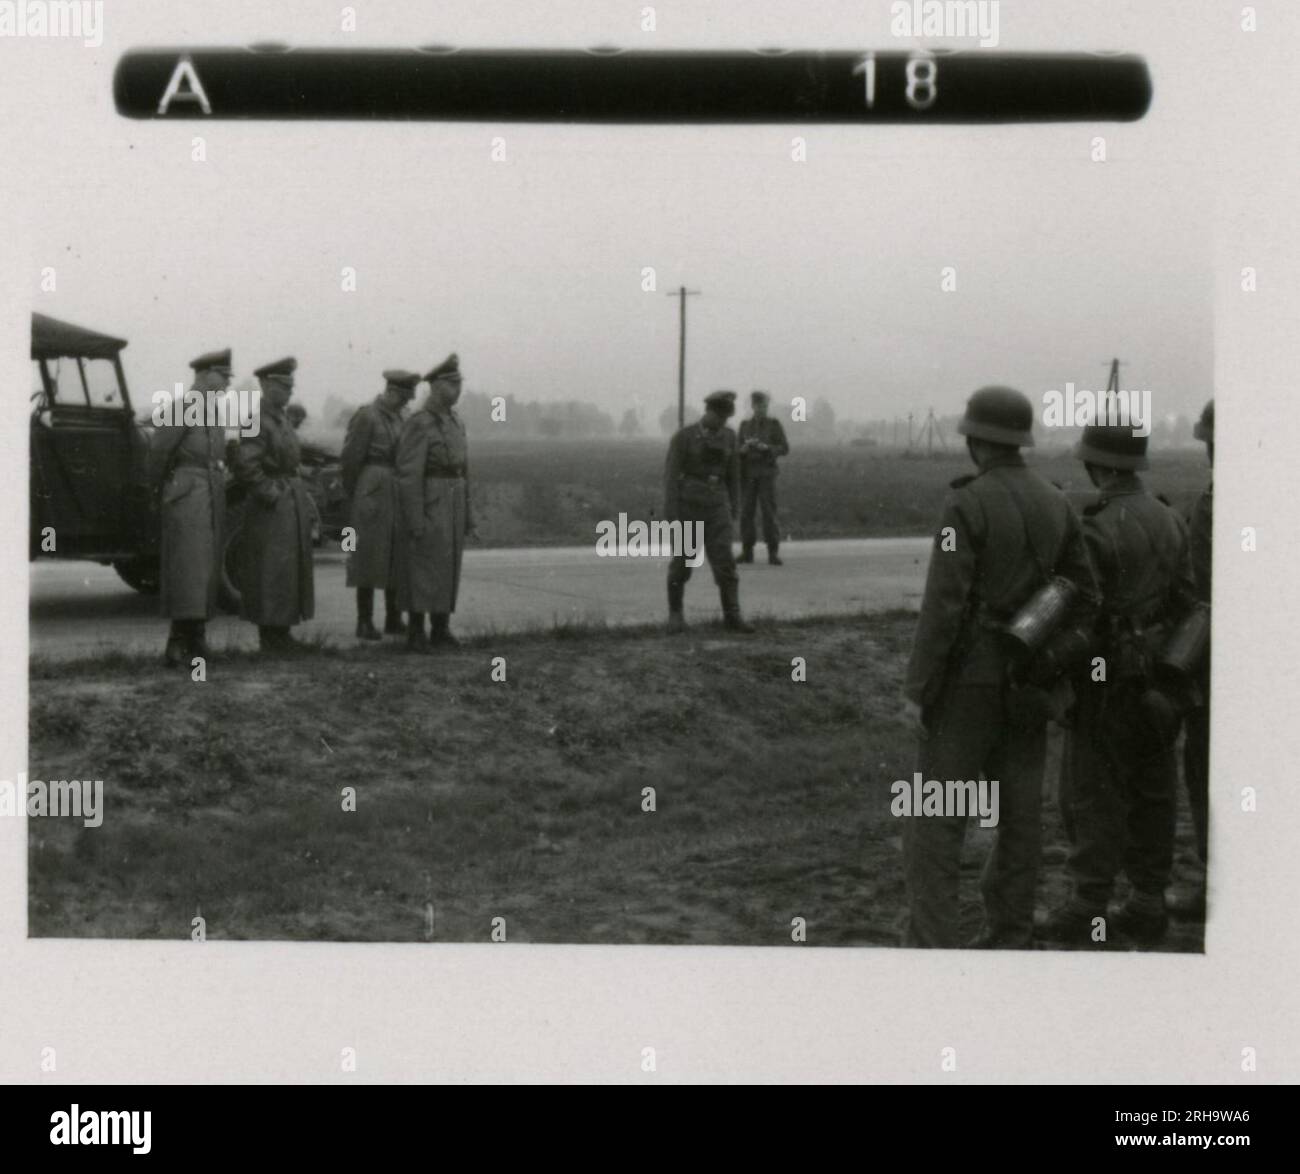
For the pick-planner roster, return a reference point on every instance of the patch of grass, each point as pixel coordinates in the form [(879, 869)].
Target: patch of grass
[(474, 799)]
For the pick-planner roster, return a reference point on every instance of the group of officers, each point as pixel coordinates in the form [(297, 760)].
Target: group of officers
[(1131, 570), (407, 481), (406, 478)]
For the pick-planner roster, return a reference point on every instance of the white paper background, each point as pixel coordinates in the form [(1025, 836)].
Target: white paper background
[(137, 1011)]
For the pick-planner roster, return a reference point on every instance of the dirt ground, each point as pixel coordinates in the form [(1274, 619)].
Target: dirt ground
[(479, 799)]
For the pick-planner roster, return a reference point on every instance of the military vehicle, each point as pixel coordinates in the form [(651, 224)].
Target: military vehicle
[(90, 494)]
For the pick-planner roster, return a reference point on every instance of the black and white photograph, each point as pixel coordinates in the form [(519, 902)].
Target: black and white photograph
[(627, 476)]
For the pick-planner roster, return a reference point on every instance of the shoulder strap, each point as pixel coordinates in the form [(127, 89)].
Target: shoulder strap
[(1024, 507)]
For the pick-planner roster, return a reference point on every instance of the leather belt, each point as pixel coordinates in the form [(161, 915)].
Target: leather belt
[(446, 474), (208, 465), (708, 479)]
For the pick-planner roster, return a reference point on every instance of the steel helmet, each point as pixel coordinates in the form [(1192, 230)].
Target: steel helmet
[(1000, 414)]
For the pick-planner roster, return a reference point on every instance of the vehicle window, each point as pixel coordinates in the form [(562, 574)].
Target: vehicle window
[(101, 383), (66, 377)]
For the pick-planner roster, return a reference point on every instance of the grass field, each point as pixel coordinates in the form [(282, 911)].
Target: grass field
[(477, 799), (553, 493)]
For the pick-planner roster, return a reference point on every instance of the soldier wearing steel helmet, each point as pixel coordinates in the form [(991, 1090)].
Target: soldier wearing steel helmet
[(702, 484), (1004, 534), (1119, 776)]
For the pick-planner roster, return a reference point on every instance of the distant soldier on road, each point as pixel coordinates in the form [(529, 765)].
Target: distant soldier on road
[(762, 440), (188, 462), (433, 491), (1005, 533), (702, 484), (274, 554), (369, 469), (1119, 776)]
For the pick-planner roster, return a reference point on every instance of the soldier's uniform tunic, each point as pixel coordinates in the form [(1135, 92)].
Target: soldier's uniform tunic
[(702, 484), (1012, 531), (433, 492), (370, 481), (758, 473), (274, 553), (1196, 749), (189, 461), (1118, 780)]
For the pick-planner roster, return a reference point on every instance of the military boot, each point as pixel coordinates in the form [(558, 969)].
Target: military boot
[(676, 595), (732, 620), (278, 642), (393, 625), (1143, 918), (747, 553), (1070, 924), (416, 639), (773, 558), (440, 631), (1188, 906), (174, 654), (366, 629), (198, 641)]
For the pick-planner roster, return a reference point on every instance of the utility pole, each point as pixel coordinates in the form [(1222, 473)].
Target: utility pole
[(683, 293)]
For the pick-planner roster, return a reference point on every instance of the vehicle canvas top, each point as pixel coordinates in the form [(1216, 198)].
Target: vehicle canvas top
[(52, 339)]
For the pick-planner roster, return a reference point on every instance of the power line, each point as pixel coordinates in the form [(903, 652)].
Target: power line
[(683, 293)]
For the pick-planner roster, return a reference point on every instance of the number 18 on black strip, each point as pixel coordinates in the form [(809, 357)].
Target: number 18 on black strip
[(625, 86)]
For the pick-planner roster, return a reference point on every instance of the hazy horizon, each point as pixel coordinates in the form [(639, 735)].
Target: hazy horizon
[(819, 278)]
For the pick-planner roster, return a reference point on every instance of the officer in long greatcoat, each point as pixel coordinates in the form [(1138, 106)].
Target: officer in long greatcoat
[(702, 485), (1005, 533), (762, 440), (433, 494), (187, 462), (274, 555), (369, 463), (1119, 775)]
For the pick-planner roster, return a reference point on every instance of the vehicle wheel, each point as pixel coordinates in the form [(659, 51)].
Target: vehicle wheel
[(142, 574)]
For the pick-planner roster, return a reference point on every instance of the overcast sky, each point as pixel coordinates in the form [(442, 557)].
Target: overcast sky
[(819, 278)]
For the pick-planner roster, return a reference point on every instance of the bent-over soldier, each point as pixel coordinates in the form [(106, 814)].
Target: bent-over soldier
[(433, 493), (762, 440), (1119, 775), (187, 462), (1005, 533), (274, 554), (370, 480), (702, 484)]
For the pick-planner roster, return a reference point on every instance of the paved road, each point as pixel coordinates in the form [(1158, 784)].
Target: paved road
[(81, 608)]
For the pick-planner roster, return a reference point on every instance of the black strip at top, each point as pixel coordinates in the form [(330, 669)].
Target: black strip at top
[(614, 86)]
